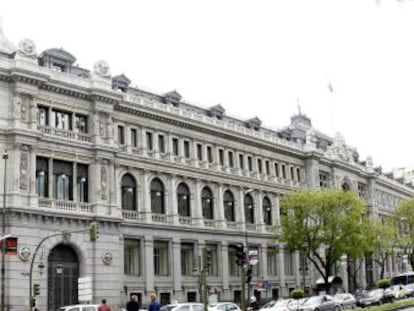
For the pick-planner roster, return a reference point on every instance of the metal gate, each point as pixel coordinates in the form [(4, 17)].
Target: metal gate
[(63, 274)]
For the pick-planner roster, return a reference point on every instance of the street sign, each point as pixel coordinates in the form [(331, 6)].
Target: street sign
[(85, 289), (253, 257)]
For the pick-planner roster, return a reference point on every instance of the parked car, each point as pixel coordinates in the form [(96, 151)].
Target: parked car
[(279, 305), (188, 306), (223, 306), (398, 291), (320, 303), (84, 307), (347, 300), (375, 297)]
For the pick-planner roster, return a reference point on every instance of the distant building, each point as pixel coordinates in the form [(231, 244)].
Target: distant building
[(162, 178)]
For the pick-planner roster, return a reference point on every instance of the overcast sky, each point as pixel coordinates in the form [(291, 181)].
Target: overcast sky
[(255, 58)]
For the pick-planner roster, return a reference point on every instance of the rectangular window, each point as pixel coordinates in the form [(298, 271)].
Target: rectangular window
[(292, 173), (277, 169), (298, 174), (272, 261), (288, 259), (61, 120), (42, 174), (213, 267), (186, 149), (132, 258), (259, 166), (161, 144), (231, 160), (62, 180), (250, 163), (267, 166), (81, 124), (134, 140), (199, 152), (209, 154), (234, 269), (82, 183), (283, 171), (323, 179), (187, 259), (362, 191), (175, 146), (221, 156), (149, 141), (161, 258), (121, 135), (241, 161), (42, 116)]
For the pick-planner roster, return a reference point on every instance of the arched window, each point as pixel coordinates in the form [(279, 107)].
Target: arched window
[(267, 211), (157, 197), (248, 209), (207, 203), (128, 192), (345, 187), (183, 200), (62, 187), (228, 206)]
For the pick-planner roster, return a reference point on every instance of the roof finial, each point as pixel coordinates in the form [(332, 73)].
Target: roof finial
[(298, 103)]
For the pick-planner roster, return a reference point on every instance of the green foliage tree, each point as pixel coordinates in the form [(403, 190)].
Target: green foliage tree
[(404, 227), (324, 225), (297, 293), (384, 283)]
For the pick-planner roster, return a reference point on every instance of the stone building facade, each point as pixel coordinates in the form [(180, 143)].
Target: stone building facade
[(162, 178)]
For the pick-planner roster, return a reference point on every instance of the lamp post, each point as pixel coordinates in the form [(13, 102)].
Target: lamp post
[(247, 264), (3, 264)]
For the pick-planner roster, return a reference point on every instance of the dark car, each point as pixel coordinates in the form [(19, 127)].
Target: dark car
[(375, 297)]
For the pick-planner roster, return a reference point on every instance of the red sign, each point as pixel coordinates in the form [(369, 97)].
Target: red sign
[(9, 246)]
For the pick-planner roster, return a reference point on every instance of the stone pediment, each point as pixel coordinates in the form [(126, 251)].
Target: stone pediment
[(173, 95), (122, 79), (218, 108), (60, 54)]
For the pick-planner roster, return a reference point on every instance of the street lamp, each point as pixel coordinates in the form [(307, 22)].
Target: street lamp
[(3, 264)]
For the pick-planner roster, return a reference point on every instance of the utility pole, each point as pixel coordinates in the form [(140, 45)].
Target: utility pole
[(3, 258)]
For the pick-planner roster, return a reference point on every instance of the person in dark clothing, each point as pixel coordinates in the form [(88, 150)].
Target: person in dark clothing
[(133, 304), (154, 305)]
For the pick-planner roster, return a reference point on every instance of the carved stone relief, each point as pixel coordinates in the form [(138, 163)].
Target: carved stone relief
[(101, 68), (104, 181), (23, 110), (17, 103), (24, 159), (27, 49)]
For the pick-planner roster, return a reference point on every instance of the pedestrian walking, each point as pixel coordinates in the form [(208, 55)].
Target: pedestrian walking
[(154, 304), (104, 306), (133, 304)]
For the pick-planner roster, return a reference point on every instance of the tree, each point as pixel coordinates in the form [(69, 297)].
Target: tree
[(404, 225), (324, 225)]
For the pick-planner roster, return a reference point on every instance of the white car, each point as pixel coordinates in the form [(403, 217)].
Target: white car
[(79, 308), (279, 305), (223, 306), (188, 306)]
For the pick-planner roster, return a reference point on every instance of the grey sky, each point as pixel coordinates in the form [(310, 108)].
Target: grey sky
[(255, 58)]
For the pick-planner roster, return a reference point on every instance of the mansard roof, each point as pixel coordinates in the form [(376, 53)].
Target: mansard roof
[(58, 53)]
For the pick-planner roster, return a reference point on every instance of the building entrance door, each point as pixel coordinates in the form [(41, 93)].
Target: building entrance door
[(63, 274)]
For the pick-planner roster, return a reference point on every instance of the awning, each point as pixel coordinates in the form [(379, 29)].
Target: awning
[(331, 279)]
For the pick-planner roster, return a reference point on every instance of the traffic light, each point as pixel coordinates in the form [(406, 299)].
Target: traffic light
[(94, 231), (36, 289), (240, 255), (33, 302), (249, 274)]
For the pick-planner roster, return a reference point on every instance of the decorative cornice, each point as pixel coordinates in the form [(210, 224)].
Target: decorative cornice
[(204, 129)]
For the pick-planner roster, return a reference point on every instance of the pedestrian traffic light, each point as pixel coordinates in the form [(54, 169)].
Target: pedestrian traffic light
[(36, 289), (240, 255), (94, 231), (249, 274), (33, 302)]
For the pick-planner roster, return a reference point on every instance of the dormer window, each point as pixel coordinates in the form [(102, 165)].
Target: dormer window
[(254, 123), (217, 111), (57, 59), (120, 83)]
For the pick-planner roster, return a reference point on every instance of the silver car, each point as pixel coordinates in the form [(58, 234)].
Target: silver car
[(223, 306), (279, 305), (320, 303), (347, 300)]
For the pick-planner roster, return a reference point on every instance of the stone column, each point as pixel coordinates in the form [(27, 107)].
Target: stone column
[(193, 153), (296, 266), (196, 205), (75, 193), (148, 272), (175, 265), (219, 208), (146, 206), (281, 272), (259, 219), (263, 261), (172, 207), (170, 148), (114, 189), (240, 212), (155, 146), (50, 178), (225, 265), (32, 176), (143, 142)]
